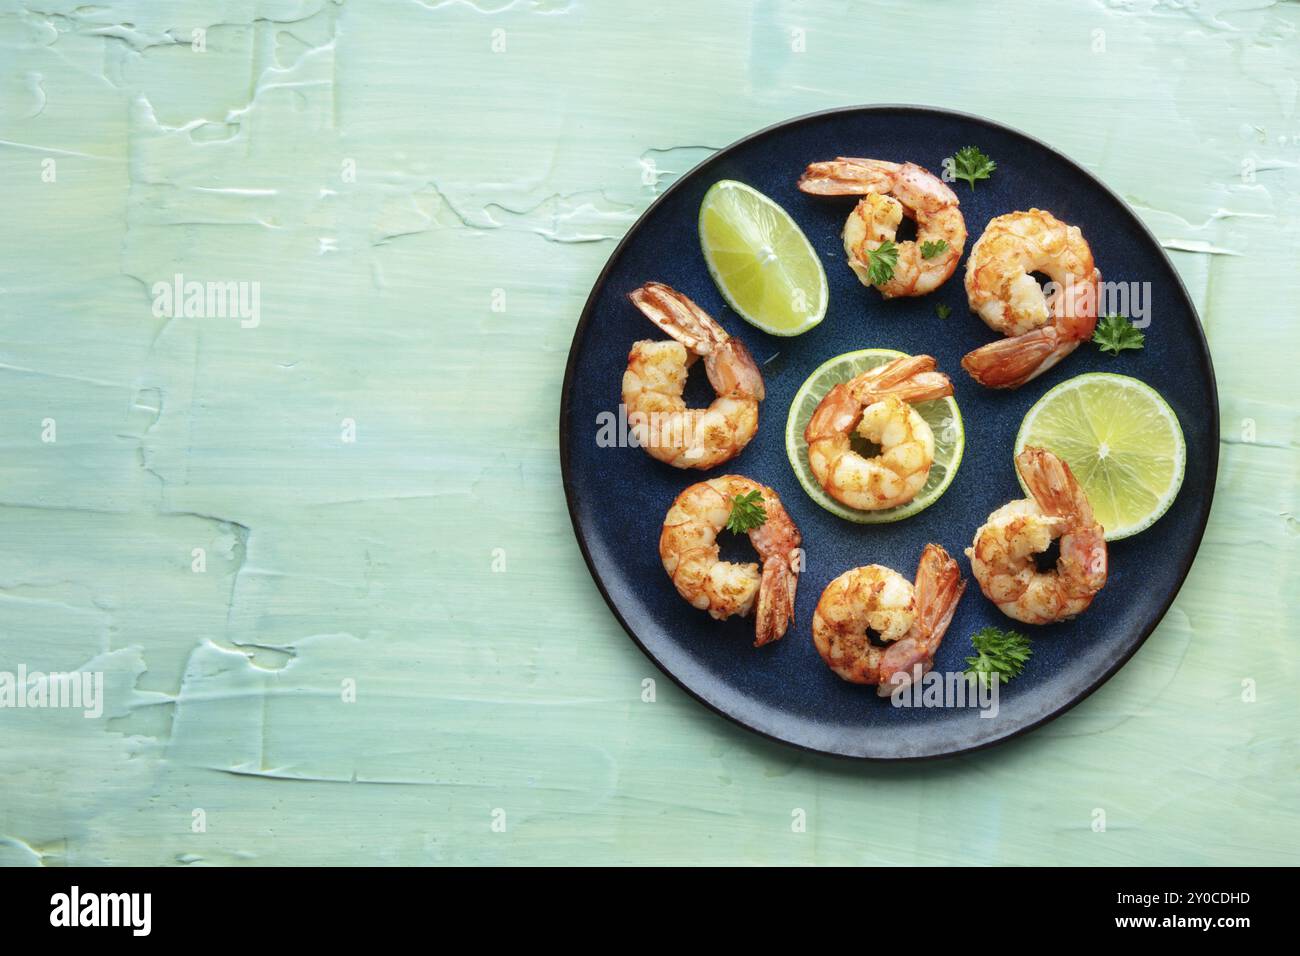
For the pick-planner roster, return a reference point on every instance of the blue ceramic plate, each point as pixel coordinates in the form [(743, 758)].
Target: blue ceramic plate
[(618, 496)]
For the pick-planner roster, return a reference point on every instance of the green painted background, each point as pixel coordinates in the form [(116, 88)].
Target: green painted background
[(424, 192)]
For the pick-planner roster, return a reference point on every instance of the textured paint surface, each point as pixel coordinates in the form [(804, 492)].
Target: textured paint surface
[(424, 192)]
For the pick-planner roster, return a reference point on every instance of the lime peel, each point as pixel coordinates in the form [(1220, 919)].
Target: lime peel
[(760, 260), (1122, 441), (943, 416)]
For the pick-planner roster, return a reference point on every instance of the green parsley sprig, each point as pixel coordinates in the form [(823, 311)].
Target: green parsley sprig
[(1115, 333), (943, 310), (998, 652), (931, 249), (881, 262), (747, 512), (970, 164)]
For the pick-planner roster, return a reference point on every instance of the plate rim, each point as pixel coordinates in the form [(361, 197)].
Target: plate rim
[(566, 393)]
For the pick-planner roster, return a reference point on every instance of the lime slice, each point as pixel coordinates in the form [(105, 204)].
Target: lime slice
[(1121, 440), (763, 264), (942, 415)]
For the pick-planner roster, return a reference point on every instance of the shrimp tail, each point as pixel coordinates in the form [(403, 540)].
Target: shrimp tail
[(847, 176), (1011, 362), (1054, 486), (679, 317), (939, 588), (1084, 559), (775, 607), (910, 378)]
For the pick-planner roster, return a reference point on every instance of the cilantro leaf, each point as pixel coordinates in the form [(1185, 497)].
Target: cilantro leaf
[(931, 249), (970, 164), (881, 262), (1114, 334), (747, 512), (943, 310), (998, 653)]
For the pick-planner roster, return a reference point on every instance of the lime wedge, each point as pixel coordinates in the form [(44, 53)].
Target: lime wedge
[(942, 415), (763, 264), (1121, 440)]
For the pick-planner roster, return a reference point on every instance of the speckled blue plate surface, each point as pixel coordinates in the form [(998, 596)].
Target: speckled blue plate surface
[(618, 496)]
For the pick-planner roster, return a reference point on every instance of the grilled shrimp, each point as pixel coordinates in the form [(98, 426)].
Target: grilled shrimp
[(656, 377), (878, 403), (688, 546), (911, 618), (1002, 556), (1041, 329), (891, 191)]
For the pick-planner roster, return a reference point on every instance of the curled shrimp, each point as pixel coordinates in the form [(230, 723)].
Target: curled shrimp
[(688, 546), (1002, 556), (878, 403), (910, 618), (1041, 329), (656, 377), (889, 192)]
